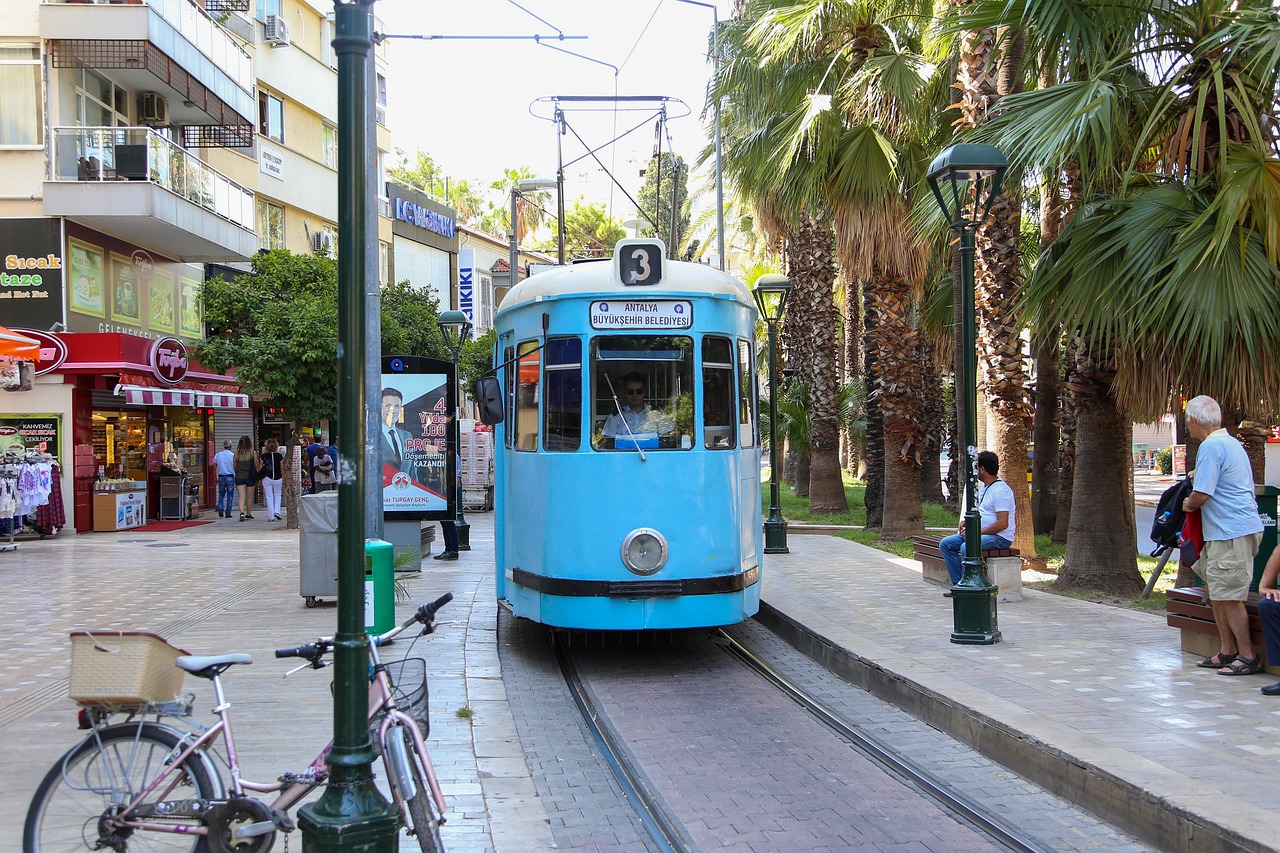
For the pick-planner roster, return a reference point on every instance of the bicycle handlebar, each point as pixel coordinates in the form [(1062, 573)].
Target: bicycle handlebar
[(424, 615)]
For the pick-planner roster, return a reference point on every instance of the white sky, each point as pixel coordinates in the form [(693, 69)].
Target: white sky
[(466, 102)]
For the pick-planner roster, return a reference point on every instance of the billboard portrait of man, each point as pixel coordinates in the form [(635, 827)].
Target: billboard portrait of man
[(394, 439)]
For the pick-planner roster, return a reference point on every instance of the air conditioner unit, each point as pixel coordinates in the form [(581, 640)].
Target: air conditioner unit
[(276, 31), (155, 109), (322, 241)]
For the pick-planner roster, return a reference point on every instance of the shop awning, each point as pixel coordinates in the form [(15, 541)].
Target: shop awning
[(146, 395)]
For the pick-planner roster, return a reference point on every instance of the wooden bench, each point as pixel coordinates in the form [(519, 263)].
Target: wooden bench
[(1004, 566), (1190, 612)]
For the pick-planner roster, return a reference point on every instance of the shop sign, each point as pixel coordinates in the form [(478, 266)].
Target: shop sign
[(115, 287), (423, 217), (53, 350), (31, 434), (169, 359), (466, 283), (31, 272)]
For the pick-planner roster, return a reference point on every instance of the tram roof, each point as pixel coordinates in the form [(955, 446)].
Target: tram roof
[(591, 278)]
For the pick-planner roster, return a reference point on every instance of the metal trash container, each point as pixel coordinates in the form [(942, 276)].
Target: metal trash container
[(318, 547)]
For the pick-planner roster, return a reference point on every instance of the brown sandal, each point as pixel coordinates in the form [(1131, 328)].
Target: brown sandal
[(1243, 666)]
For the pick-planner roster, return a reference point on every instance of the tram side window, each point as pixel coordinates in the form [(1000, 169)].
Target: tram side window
[(562, 409), (526, 402), (642, 392), (717, 393), (509, 397), (747, 403)]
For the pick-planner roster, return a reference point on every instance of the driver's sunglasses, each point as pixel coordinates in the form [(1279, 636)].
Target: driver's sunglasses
[(635, 392)]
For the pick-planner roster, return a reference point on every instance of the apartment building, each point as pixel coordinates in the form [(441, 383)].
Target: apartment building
[(144, 145)]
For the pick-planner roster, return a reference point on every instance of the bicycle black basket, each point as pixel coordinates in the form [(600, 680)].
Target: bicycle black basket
[(409, 686)]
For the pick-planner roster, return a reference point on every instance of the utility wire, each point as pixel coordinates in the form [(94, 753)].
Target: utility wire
[(535, 17), (641, 36)]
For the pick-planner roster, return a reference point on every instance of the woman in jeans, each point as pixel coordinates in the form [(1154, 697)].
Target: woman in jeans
[(272, 467), (246, 470)]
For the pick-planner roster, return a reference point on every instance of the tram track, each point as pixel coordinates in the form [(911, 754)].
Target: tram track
[(691, 724)]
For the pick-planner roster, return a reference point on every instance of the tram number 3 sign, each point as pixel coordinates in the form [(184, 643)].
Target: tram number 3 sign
[(640, 263)]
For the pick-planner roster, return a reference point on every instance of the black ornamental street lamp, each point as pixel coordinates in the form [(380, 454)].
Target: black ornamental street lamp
[(965, 179), (456, 329), (771, 298)]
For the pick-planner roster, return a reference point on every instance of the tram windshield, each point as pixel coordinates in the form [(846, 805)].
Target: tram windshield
[(642, 392)]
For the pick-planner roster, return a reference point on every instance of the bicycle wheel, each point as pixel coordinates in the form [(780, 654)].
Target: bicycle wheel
[(422, 808), (77, 794)]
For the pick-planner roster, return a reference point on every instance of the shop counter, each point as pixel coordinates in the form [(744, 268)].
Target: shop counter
[(120, 509)]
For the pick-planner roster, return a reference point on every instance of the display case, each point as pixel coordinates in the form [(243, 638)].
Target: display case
[(119, 505)]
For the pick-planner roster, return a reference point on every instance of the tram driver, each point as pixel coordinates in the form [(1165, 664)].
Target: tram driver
[(636, 419)]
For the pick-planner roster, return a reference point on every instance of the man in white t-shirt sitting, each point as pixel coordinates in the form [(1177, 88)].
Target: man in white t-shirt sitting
[(998, 523)]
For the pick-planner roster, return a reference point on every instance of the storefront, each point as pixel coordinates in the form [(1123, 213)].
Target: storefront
[(128, 401)]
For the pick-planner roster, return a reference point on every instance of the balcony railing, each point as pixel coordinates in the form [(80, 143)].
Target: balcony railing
[(109, 154), (197, 27)]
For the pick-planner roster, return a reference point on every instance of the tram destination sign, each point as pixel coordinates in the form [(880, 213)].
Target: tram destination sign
[(641, 314)]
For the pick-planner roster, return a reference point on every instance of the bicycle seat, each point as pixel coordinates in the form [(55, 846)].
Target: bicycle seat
[(205, 665)]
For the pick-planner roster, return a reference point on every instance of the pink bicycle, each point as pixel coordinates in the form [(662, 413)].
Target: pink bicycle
[(143, 784)]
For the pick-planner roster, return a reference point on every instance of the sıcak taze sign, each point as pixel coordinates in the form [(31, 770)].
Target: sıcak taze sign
[(169, 359), (416, 214), (653, 314), (32, 266)]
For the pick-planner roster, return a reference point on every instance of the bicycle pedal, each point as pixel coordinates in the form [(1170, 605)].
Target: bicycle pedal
[(283, 822)]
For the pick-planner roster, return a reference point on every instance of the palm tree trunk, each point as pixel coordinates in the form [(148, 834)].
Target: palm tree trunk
[(1067, 421), (1102, 550), (1045, 465), (873, 498), (894, 338), (811, 268), (931, 414)]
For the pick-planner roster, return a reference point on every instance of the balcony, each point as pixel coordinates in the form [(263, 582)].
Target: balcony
[(171, 47), (138, 185)]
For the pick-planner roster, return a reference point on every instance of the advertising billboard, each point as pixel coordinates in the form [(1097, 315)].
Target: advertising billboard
[(416, 438)]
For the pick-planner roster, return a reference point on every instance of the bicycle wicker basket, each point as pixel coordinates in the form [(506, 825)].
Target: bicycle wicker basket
[(123, 668), (409, 686)]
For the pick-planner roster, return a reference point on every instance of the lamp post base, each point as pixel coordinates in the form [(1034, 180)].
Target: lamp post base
[(974, 615), (775, 537), (354, 819)]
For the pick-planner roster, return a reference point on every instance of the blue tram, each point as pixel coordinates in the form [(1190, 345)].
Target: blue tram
[(627, 454)]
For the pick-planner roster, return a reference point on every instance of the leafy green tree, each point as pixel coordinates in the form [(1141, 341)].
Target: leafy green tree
[(590, 232), (278, 327), (662, 174)]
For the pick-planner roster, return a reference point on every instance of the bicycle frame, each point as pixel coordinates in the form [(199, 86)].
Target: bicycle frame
[(381, 698)]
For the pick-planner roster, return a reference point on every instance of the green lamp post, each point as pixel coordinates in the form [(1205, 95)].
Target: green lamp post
[(965, 179), (351, 815), (456, 329), (771, 298)]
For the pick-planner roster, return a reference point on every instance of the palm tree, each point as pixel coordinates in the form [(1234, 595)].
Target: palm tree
[(864, 160), (1167, 274), (759, 101)]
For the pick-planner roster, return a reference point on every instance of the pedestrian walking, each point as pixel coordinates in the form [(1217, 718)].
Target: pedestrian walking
[(224, 462), (1222, 489), (272, 469), (246, 474)]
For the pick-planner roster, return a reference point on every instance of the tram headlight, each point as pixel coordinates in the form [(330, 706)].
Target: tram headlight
[(644, 551)]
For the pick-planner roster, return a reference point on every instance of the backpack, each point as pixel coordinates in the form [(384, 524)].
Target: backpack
[(1165, 528)]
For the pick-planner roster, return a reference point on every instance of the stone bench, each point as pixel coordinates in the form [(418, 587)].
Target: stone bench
[(1189, 611), (1004, 567)]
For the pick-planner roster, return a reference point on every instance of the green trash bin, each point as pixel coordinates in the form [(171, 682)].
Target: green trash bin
[(379, 586), (1266, 497)]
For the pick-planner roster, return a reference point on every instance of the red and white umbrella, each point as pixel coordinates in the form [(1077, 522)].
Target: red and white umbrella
[(15, 345)]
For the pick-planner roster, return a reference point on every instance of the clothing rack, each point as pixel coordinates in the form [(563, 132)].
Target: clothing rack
[(11, 470)]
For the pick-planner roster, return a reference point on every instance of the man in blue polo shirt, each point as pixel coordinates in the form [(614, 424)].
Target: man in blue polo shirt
[(1223, 492)]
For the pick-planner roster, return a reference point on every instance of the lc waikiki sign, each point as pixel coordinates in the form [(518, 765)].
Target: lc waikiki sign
[(169, 359), (414, 214), (466, 284)]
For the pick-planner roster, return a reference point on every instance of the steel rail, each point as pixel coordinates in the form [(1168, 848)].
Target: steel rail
[(978, 816), (665, 831)]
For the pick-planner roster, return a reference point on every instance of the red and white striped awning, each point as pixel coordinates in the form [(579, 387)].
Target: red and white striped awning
[(146, 395)]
